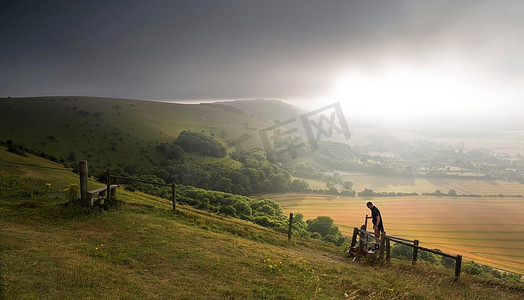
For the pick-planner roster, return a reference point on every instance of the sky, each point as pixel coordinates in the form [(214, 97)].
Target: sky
[(380, 59)]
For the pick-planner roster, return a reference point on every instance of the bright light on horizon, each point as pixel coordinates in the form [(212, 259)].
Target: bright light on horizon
[(403, 91)]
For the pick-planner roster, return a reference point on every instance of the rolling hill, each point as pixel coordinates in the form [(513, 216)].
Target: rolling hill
[(118, 132), (142, 249)]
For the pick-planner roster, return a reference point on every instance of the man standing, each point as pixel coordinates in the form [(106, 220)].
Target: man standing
[(378, 224)]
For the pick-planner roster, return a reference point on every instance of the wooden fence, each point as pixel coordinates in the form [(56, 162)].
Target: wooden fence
[(109, 190), (385, 246)]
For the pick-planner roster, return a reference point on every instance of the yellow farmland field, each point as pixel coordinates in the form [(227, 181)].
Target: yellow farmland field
[(383, 183), (488, 230)]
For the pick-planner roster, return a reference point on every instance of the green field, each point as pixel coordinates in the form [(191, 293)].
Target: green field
[(488, 230)]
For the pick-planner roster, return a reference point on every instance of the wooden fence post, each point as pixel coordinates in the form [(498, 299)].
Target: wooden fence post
[(173, 195), (108, 181), (362, 235), (415, 251), (82, 166), (458, 265), (354, 237), (382, 244), (290, 227), (388, 249)]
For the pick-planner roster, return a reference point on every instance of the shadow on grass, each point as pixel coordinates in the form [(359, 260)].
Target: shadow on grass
[(77, 209)]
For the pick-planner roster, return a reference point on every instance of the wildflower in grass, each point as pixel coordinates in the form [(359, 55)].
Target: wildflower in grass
[(72, 192)]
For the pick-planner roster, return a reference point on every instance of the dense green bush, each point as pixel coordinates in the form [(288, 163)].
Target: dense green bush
[(405, 252), (323, 225), (256, 175), (170, 150), (200, 143)]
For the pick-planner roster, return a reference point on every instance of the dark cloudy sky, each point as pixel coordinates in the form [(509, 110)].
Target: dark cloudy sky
[(391, 54)]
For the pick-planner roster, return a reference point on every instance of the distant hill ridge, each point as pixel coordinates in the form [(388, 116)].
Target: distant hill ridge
[(267, 110)]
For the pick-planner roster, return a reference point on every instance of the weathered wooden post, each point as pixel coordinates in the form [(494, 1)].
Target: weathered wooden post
[(382, 244), (388, 249), (290, 227), (415, 251), (108, 187), (173, 195), (458, 265), (361, 234), (108, 182), (82, 166), (354, 237)]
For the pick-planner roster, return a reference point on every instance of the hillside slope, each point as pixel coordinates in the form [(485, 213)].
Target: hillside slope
[(144, 250), (114, 132)]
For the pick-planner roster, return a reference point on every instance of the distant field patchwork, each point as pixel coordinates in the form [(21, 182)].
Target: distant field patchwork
[(381, 183), (488, 230)]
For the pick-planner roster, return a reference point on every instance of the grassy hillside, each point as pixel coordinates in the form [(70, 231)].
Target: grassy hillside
[(144, 250), (114, 132)]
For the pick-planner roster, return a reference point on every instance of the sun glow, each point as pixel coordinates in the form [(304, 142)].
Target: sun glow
[(403, 91)]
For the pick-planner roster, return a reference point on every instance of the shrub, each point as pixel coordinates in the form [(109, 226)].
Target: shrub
[(263, 221), (267, 209), (228, 210), (71, 192), (200, 143), (316, 235)]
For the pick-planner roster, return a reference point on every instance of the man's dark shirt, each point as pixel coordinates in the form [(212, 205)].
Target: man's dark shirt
[(376, 213)]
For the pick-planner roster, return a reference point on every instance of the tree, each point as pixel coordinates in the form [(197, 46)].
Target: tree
[(228, 210), (170, 151), (366, 193), (200, 143), (300, 186), (348, 185), (242, 208), (401, 251), (279, 183), (323, 225), (298, 222), (267, 209)]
